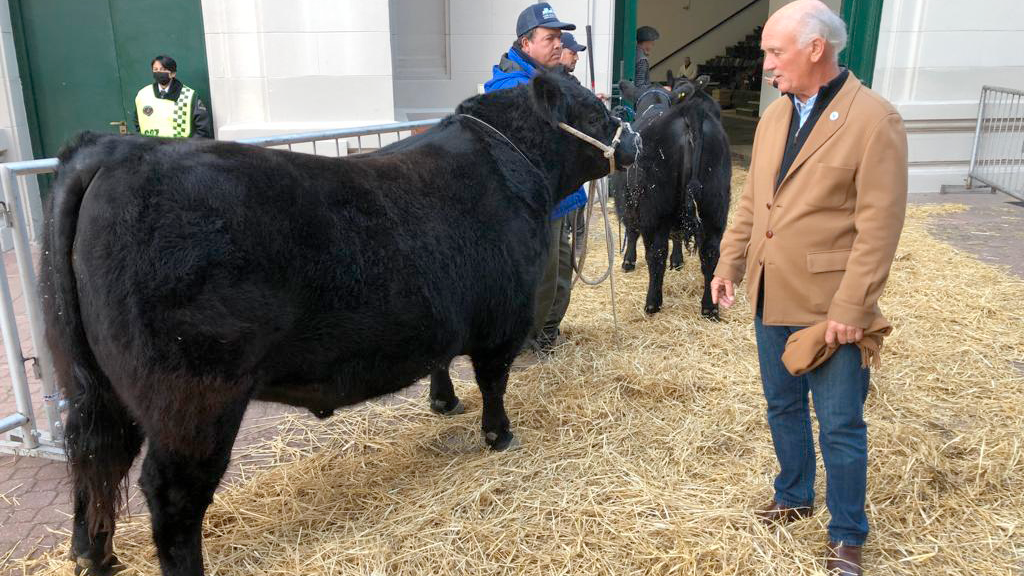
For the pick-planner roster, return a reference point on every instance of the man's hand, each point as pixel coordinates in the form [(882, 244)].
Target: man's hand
[(836, 331), (723, 292)]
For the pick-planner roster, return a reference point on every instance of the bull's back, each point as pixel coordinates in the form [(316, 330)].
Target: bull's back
[(223, 260)]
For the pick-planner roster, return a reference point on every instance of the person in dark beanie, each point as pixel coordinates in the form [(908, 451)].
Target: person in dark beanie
[(169, 108), (645, 37)]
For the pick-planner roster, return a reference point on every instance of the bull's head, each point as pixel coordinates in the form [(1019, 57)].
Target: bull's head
[(603, 142)]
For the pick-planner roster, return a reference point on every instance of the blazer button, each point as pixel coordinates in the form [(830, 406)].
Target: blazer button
[(760, 261), (768, 205), (769, 234)]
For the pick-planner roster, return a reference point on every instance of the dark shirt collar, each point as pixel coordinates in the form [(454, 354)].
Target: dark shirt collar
[(173, 90), (827, 92)]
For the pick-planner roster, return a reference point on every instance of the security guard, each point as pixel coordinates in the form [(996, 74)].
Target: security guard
[(169, 108)]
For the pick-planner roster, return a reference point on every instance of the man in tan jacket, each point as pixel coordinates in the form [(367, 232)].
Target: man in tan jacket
[(815, 234)]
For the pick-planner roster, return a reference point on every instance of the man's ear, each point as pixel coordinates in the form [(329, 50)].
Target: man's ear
[(548, 97), (628, 90)]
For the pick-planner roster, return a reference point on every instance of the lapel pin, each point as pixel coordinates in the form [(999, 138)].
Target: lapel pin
[(833, 116)]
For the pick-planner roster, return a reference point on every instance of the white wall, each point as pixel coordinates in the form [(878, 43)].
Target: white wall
[(933, 58), (481, 31), (281, 66), (678, 25), (15, 139)]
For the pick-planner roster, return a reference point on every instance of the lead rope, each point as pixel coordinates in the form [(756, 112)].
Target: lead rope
[(609, 153)]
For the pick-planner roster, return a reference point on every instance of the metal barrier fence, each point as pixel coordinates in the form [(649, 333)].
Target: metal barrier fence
[(20, 432), (997, 159)]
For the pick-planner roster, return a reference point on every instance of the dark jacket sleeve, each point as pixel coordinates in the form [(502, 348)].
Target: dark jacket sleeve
[(202, 124), (135, 118)]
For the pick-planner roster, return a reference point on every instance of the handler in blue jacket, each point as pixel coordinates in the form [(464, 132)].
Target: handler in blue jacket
[(539, 45)]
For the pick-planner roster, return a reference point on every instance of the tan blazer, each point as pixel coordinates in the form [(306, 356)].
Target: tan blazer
[(823, 243)]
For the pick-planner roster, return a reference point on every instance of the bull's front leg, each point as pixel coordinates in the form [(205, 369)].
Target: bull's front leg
[(656, 250), (629, 258), (491, 369), (442, 394)]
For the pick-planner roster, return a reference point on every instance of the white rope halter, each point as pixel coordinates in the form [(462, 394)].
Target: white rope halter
[(608, 150)]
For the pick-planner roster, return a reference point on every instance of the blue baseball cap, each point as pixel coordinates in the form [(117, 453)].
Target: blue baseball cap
[(569, 43), (539, 14)]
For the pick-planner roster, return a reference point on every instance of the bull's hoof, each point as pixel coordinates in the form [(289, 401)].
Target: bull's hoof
[(652, 308), (501, 442), (675, 265), (441, 407), (711, 314), (86, 567), (628, 266)]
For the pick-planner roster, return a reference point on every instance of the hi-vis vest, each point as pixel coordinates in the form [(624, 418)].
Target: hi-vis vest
[(162, 117)]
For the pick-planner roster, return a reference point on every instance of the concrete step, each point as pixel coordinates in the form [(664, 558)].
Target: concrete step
[(747, 111)]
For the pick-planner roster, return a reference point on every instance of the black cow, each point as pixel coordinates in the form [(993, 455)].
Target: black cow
[(679, 187), (183, 279)]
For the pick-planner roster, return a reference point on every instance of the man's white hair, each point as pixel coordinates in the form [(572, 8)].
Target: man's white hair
[(818, 20)]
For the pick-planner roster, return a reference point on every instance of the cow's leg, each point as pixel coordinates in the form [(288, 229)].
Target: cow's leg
[(442, 394), (102, 442), (675, 262), (629, 258), (491, 369), (182, 468), (656, 250), (708, 261)]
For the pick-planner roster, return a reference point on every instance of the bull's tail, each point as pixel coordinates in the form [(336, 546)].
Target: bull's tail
[(101, 439)]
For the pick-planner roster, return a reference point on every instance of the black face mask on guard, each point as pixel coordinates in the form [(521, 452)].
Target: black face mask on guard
[(162, 77)]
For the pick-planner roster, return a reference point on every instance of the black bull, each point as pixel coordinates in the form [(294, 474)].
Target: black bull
[(183, 279), (679, 186)]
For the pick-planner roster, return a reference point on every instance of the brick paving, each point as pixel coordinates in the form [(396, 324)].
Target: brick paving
[(34, 492)]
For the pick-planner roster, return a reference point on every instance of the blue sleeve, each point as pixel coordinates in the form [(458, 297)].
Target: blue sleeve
[(574, 201)]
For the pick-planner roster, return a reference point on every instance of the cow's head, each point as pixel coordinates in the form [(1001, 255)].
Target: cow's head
[(596, 136), (683, 88), (646, 99)]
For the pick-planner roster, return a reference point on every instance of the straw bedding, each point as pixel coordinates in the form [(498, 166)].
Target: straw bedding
[(647, 454)]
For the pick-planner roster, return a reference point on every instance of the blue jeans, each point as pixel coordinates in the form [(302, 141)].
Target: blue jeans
[(839, 387)]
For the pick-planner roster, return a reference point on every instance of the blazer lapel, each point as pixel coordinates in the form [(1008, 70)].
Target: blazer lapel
[(830, 121), (779, 130)]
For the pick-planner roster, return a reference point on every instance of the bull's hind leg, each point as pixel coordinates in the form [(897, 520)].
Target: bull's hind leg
[(442, 394), (491, 369), (629, 258), (102, 442), (189, 450), (656, 250), (708, 262), (675, 262)]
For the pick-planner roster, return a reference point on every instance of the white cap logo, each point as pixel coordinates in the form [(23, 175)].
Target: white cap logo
[(549, 13)]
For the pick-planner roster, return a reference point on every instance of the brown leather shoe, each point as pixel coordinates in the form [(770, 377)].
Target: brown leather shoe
[(843, 559), (775, 513)]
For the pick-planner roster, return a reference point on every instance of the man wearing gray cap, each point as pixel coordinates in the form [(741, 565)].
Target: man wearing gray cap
[(570, 52)]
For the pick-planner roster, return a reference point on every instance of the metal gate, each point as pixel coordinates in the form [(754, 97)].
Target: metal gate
[(997, 160), (20, 431)]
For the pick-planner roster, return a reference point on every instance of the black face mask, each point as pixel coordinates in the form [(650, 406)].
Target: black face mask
[(162, 77)]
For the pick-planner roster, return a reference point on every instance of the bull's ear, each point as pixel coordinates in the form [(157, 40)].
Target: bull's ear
[(671, 78), (548, 98), (628, 90)]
